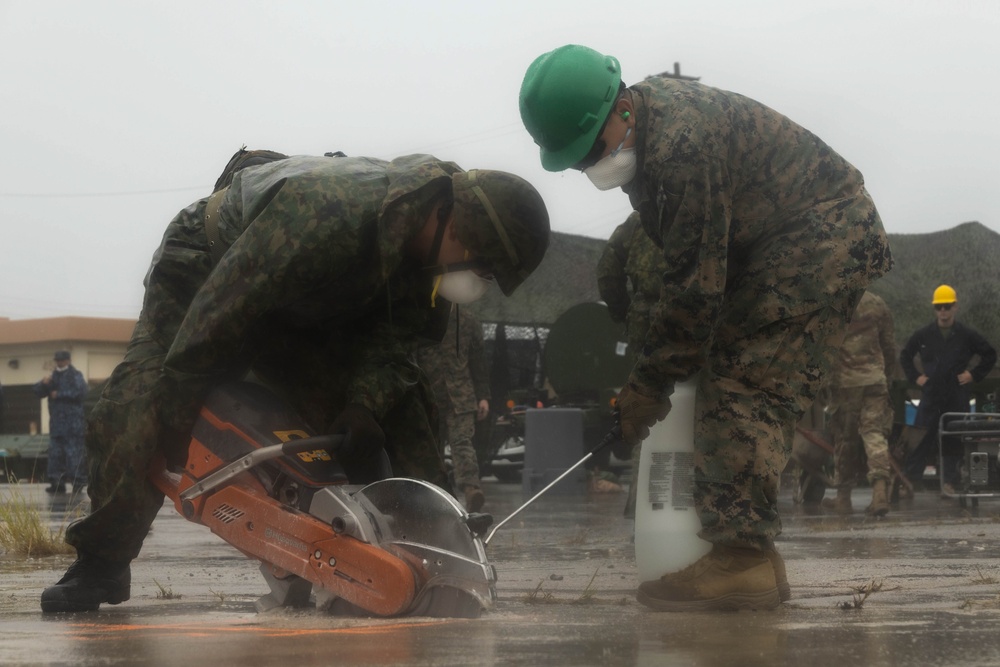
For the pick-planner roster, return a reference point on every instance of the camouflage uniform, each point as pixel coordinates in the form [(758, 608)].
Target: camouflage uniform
[(457, 371), (859, 392), (66, 455), (769, 238), (315, 295), (631, 260)]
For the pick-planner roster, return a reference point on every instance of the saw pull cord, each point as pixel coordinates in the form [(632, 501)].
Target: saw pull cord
[(614, 435)]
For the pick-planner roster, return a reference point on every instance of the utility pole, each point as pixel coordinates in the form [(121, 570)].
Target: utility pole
[(676, 74)]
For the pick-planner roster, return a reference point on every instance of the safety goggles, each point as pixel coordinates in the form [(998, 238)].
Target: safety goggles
[(597, 150)]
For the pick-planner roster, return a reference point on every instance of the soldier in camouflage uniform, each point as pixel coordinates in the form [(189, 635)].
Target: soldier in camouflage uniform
[(316, 274), (629, 276), (461, 384), (769, 239), (860, 404), (65, 388)]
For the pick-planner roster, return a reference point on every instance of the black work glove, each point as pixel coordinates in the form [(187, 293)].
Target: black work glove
[(364, 437), (638, 412)]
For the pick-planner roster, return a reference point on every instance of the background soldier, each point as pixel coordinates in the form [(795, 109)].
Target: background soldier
[(457, 370), (860, 403), (65, 388), (946, 349), (769, 239), (316, 274), (629, 278)]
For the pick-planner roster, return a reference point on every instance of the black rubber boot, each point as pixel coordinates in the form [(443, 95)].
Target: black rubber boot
[(89, 582)]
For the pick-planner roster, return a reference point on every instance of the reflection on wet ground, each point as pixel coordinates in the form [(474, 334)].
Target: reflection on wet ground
[(566, 597)]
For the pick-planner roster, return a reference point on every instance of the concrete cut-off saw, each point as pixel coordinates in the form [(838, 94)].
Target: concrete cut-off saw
[(260, 479)]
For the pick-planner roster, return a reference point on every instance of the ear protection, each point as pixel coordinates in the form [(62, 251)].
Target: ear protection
[(625, 115)]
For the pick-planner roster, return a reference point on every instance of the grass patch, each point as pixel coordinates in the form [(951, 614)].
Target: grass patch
[(538, 597), (992, 603), (983, 578), (861, 594), (581, 537), (165, 592), (22, 531), (588, 595)]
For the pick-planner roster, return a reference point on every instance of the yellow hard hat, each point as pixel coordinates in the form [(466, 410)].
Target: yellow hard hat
[(944, 294)]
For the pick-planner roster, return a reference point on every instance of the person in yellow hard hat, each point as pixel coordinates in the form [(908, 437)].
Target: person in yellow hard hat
[(946, 349), (769, 238)]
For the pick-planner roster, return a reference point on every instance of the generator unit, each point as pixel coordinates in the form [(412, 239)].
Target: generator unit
[(974, 437)]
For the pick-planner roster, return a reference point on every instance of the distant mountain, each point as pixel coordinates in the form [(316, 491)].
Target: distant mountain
[(566, 277), (967, 257)]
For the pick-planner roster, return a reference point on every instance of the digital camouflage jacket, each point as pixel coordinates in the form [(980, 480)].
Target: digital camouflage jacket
[(629, 277), (314, 293), (759, 221), (456, 366)]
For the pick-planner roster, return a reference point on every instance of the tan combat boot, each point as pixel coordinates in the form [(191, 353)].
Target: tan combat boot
[(842, 503), (880, 498), (780, 577), (905, 490), (724, 579)]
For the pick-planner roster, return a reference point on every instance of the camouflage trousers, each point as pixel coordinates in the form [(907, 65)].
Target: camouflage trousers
[(861, 417), (750, 396), (458, 430), (66, 460), (123, 438), (140, 416)]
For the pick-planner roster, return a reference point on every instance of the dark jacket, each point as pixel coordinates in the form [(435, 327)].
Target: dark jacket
[(943, 360), (315, 292)]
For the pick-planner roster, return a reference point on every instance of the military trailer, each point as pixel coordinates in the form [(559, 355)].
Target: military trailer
[(584, 362), (24, 457)]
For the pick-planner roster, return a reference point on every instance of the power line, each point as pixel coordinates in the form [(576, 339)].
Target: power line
[(484, 135), (77, 195)]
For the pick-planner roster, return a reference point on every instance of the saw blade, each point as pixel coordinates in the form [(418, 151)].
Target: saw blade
[(428, 528)]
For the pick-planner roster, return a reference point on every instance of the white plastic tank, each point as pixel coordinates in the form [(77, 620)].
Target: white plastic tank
[(666, 522)]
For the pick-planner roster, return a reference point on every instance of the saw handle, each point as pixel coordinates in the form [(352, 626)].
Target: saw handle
[(613, 436), (327, 442)]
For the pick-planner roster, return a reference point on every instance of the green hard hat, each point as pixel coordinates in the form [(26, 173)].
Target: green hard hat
[(502, 219), (565, 98)]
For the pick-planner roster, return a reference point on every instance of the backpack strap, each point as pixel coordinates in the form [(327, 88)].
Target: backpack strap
[(215, 245)]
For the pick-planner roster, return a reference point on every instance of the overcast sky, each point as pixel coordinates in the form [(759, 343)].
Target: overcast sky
[(115, 115)]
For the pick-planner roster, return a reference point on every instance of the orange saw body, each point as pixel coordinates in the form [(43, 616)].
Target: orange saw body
[(261, 480)]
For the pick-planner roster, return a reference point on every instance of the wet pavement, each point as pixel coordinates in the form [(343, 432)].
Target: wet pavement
[(566, 597)]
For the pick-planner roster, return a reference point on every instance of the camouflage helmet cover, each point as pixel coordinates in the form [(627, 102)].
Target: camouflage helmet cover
[(503, 221)]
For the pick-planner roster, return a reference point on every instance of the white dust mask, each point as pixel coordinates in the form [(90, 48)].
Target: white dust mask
[(462, 287), (614, 170)]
